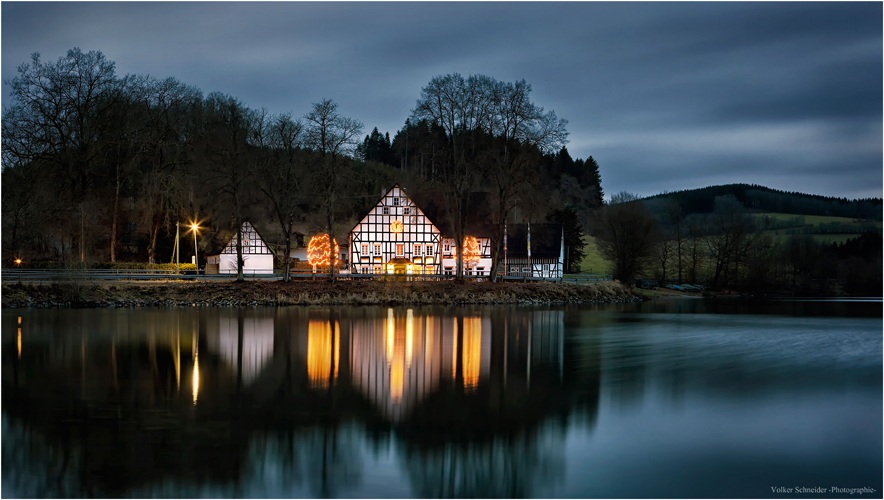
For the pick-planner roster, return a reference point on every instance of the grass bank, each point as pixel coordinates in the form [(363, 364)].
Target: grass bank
[(308, 293)]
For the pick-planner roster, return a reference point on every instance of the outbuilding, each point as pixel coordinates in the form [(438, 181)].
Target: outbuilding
[(256, 255)]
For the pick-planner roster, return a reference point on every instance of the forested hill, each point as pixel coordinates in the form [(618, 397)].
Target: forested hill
[(764, 199)]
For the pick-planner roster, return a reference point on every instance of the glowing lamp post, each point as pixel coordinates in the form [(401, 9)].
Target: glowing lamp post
[(319, 251), (195, 227)]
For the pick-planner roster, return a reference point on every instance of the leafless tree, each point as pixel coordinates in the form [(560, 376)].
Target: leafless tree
[(625, 235), (334, 138), (59, 117), (283, 176)]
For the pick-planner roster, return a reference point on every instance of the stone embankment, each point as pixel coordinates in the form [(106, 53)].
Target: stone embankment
[(261, 293)]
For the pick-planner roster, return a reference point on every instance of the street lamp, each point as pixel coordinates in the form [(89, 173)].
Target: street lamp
[(195, 227)]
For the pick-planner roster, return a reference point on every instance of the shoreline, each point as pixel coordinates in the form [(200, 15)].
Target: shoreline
[(277, 293)]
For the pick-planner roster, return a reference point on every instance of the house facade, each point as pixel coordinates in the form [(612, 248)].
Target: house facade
[(256, 255), (397, 236), (395, 228)]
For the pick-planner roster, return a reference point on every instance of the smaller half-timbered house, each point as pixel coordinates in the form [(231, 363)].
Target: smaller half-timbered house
[(546, 258), (257, 256)]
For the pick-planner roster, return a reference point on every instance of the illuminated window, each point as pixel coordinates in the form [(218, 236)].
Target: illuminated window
[(377, 249), (417, 248), (399, 248), (365, 248), (377, 269)]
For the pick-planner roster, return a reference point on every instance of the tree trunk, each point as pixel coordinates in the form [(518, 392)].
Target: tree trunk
[(239, 261), (113, 242)]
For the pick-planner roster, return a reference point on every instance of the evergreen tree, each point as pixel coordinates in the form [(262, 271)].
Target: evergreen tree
[(574, 234)]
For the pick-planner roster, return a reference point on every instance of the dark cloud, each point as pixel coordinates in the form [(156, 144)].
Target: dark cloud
[(662, 95)]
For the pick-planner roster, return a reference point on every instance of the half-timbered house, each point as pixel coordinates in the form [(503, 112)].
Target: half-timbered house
[(256, 255), (395, 228), (546, 257)]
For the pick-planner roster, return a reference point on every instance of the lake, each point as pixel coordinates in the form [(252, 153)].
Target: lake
[(662, 399)]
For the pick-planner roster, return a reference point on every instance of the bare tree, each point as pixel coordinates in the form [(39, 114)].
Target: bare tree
[(463, 109), (233, 133), (59, 117), (625, 235), (335, 138), (521, 131), (282, 179)]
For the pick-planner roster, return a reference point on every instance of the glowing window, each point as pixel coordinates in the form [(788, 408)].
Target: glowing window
[(399, 248)]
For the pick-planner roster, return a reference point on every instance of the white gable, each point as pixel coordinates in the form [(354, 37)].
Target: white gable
[(252, 244)]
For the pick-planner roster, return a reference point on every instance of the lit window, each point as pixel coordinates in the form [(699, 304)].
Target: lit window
[(377, 249), (365, 248), (417, 248), (399, 248), (377, 269)]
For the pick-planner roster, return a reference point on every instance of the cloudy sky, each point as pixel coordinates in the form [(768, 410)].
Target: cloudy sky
[(665, 96)]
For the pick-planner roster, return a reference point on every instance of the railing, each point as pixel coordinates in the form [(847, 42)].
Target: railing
[(64, 275)]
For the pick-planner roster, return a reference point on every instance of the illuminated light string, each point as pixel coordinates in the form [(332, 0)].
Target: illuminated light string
[(318, 250), (471, 252)]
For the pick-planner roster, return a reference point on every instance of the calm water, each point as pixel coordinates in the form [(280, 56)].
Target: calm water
[(683, 398)]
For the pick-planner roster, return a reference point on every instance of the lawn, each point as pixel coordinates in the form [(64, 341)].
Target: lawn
[(594, 263)]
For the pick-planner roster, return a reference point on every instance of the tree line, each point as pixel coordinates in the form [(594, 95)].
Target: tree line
[(99, 167), (728, 248)]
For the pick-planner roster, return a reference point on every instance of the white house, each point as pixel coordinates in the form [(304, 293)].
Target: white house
[(256, 255)]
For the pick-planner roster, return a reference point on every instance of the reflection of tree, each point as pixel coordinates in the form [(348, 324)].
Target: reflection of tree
[(114, 415)]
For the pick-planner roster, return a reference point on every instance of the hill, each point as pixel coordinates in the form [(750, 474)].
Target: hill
[(763, 199)]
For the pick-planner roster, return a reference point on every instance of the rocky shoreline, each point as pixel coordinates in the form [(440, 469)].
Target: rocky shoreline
[(261, 293)]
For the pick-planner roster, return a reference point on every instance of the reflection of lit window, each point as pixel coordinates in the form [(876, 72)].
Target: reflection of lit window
[(472, 352), (319, 353)]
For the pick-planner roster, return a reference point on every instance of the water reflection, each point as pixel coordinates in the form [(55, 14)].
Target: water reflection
[(421, 401)]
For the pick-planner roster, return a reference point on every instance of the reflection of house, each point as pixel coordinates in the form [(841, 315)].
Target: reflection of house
[(223, 339), (256, 255), (399, 360)]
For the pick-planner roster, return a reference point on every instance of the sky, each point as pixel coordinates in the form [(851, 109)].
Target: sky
[(664, 96)]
